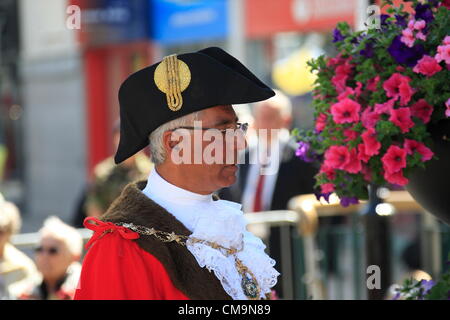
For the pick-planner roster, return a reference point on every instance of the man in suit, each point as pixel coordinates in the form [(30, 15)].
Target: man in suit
[(271, 174)]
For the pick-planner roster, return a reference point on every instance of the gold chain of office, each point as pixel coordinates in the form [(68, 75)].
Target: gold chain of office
[(249, 283)]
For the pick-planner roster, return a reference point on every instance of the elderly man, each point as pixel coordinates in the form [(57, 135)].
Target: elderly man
[(169, 237)]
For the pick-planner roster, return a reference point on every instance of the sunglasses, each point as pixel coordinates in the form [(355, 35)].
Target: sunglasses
[(51, 251)]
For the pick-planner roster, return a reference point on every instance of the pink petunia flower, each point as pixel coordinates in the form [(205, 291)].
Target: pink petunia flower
[(408, 37), (427, 66), (367, 173), (372, 83), (447, 112), (369, 118), (350, 134), (354, 164), (327, 187), (362, 153), (336, 60), (340, 78), (412, 146), (386, 107), (416, 27), (339, 82), (402, 118), (394, 159), (358, 89), (345, 111), (371, 144), (446, 40), (337, 157), (422, 110), (344, 94), (396, 178), (419, 25), (350, 91), (420, 35), (405, 92), (397, 86), (331, 174), (443, 51), (321, 122)]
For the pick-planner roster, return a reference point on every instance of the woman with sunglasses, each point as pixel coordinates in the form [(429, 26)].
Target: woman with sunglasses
[(56, 256)]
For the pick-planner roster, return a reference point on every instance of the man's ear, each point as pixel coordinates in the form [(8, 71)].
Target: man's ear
[(170, 141)]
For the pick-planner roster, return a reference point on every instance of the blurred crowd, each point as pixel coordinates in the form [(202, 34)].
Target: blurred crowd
[(56, 267)]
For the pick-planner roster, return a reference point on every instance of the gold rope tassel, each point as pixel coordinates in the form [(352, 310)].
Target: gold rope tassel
[(174, 98), (172, 76)]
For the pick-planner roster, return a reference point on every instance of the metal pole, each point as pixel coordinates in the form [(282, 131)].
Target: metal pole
[(431, 245), (378, 244), (286, 257)]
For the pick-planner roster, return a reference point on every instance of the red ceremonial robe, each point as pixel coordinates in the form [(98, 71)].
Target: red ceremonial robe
[(116, 268), (122, 264)]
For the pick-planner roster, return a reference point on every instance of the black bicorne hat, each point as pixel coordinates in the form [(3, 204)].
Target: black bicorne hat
[(177, 86)]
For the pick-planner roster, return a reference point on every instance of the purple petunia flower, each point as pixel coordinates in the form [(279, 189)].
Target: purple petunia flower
[(403, 54), (367, 51), (401, 21), (337, 35), (383, 18), (423, 12), (427, 285), (319, 195), (397, 296), (302, 151), (346, 201)]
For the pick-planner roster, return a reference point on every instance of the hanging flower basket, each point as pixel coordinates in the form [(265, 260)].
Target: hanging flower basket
[(375, 101)]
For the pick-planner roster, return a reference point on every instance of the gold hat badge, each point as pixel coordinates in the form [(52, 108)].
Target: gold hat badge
[(172, 76)]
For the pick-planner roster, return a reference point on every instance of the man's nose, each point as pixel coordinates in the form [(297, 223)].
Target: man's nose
[(240, 142)]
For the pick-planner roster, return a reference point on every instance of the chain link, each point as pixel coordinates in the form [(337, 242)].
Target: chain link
[(182, 240)]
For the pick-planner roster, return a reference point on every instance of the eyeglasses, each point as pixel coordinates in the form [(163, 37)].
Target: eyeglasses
[(51, 251), (239, 126)]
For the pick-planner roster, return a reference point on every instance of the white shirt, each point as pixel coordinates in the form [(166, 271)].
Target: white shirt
[(218, 221)]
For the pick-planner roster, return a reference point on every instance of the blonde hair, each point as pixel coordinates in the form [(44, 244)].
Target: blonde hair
[(56, 228), (10, 220)]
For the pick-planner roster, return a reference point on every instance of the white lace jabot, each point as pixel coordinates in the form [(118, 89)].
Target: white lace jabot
[(218, 221)]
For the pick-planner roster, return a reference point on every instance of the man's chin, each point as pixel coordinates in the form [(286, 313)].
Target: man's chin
[(229, 175)]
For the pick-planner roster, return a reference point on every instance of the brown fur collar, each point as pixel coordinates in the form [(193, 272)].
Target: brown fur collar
[(132, 206)]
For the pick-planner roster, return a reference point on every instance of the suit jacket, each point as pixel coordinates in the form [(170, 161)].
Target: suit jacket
[(294, 177)]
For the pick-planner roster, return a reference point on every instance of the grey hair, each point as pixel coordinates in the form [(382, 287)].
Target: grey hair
[(55, 228), (157, 151)]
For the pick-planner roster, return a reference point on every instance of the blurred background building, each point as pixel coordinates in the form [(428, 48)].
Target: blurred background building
[(59, 80)]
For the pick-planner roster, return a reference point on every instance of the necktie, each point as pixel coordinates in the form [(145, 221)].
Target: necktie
[(257, 204)]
